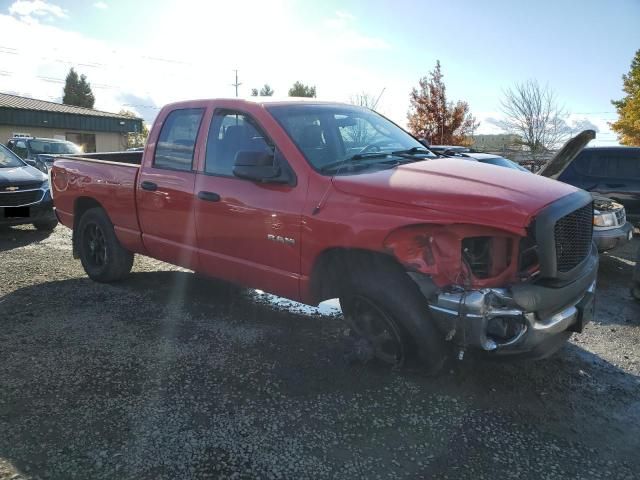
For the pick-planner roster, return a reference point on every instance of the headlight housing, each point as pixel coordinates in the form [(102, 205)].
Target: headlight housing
[(459, 254), (604, 219)]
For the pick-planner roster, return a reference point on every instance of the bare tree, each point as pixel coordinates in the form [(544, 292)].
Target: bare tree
[(363, 99), (532, 112), (361, 133)]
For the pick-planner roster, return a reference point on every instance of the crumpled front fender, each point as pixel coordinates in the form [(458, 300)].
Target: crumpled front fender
[(436, 250)]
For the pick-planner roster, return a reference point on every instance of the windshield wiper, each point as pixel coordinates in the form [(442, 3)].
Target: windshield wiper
[(353, 158), (412, 151)]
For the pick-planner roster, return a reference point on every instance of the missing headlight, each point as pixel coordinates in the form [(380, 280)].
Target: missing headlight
[(476, 252)]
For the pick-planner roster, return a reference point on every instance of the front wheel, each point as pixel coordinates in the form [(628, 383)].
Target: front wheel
[(376, 333), (388, 315), (103, 257)]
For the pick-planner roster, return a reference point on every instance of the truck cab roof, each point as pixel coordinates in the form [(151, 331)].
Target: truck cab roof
[(259, 101)]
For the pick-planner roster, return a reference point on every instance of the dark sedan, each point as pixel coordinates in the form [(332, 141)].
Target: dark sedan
[(25, 196)]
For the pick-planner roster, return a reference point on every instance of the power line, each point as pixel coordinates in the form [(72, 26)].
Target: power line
[(14, 51)]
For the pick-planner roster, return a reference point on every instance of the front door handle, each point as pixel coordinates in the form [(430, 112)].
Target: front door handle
[(152, 187), (209, 196)]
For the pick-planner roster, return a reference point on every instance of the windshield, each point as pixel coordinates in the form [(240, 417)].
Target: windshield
[(44, 146), (330, 134), (8, 159), (503, 162)]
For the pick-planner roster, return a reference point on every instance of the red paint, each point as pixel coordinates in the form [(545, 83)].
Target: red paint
[(440, 201)]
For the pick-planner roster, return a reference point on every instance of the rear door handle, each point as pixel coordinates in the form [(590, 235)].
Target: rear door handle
[(209, 196), (152, 187)]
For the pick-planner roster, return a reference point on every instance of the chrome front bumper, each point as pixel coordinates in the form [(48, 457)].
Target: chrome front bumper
[(531, 318), (491, 320)]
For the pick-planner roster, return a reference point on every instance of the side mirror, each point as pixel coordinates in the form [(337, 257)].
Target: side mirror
[(257, 166), (425, 142), (30, 161)]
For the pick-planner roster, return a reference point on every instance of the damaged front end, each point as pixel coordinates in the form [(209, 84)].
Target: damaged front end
[(502, 292)]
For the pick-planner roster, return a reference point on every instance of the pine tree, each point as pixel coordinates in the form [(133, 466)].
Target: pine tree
[(266, 91), (432, 117), (77, 91), (628, 124), (299, 89)]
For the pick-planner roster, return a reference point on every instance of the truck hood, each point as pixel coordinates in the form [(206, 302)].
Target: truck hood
[(482, 193), (18, 176), (569, 151)]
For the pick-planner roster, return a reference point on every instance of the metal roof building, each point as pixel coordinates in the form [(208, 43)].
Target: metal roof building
[(95, 130)]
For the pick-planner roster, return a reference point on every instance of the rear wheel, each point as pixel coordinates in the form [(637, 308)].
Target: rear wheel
[(103, 257), (389, 317)]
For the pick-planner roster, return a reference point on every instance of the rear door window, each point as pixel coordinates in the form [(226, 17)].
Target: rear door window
[(177, 142)]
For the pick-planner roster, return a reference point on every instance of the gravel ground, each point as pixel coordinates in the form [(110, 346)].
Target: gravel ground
[(168, 375)]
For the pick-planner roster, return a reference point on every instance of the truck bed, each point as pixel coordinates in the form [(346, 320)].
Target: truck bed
[(108, 180)]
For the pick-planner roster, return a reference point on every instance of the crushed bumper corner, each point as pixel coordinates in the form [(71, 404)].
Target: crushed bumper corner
[(527, 319)]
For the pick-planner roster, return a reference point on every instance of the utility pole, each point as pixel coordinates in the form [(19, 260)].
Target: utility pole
[(237, 84), (379, 97)]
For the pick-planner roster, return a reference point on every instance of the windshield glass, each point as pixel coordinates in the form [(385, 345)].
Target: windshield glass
[(43, 146), (8, 159), (329, 134)]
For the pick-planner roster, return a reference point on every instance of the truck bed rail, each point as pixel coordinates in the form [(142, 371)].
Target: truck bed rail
[(132, 158)]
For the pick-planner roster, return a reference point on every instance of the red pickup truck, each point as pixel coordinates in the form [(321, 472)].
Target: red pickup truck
[(312, 201)]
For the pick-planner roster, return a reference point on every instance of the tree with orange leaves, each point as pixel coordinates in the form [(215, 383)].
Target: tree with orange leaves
[(435, 119)]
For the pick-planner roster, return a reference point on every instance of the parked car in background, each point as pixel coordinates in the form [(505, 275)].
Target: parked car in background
[(40, 152), (24, 194), (447, 149), (429, 256), (494, 160), (610, 226), (610, 171)]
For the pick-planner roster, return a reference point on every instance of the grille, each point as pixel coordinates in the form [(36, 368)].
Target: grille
[(573, 236), (25, 186), (17, 199), (621, 217)]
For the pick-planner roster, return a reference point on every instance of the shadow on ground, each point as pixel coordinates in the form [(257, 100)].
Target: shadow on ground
[(11, 237), (84, 362)]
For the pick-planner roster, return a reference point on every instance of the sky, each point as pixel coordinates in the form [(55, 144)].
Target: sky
[(142, 54)]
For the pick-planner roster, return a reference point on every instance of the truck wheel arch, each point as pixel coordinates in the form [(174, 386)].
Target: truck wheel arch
[(332, 265)]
